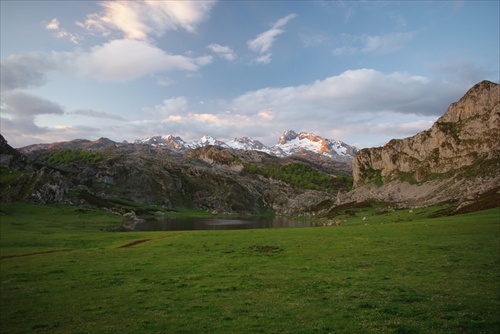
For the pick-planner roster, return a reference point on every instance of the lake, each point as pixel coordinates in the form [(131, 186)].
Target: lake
[(199, 223)]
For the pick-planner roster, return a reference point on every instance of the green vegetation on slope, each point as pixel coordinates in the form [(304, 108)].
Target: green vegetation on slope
[(67, 156), (7, 176), (302, 176), (60, 274)]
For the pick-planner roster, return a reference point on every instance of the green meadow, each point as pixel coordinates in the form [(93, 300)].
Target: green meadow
[(394, 272)]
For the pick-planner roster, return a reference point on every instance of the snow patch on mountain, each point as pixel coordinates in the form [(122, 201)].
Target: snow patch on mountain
[(289, 143), (293, 143), (249, 144), (205, 141)]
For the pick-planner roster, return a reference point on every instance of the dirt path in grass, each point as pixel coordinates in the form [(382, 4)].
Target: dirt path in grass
[(133, 243), (141, 241), (35, 253), (130, 244)]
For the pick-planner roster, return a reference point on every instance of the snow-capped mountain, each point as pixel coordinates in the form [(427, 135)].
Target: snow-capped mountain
[(289, 143), (171, 142), (249, 144), (293, 143), (205, 141)]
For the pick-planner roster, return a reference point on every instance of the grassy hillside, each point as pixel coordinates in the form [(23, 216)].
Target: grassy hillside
[(394, 272)]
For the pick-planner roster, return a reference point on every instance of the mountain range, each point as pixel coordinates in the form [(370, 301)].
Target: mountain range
[(290, 143), (456, 162)]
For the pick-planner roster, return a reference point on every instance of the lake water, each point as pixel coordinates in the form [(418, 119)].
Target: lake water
[(192, 223)]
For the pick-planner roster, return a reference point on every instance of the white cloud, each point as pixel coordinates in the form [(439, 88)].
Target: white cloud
[(59, 32), (19, 112), (52, 25), (163, 81), (125, 59), (264, 41), (362, 104), (374, 44), (22, 105), (223, 51), (264, 59), (170, 107), (25, 71), (345, 50), (463, 71), (116, 60), (351, 94), (266, 115), (141, 19), (313, 39), (362, 107), (385, 43), (404, 129)]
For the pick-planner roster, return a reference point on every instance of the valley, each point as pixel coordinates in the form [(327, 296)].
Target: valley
[(403, 238)]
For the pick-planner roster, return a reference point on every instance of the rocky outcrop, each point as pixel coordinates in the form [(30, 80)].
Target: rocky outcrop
[(21, 182), (39, 187), (10, 158), (209, 178), (457, 158)]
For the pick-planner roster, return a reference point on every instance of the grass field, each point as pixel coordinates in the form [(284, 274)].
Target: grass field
[(395, 272)]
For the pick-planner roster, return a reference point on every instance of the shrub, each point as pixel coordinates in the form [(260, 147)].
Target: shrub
[(68, 156), (302, 176)]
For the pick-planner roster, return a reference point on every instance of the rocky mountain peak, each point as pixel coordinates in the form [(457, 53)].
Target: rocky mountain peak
[(293, 143), (246, 143), (458, 155), (206, 140), (475, 102), (287, 136), (289, 143)]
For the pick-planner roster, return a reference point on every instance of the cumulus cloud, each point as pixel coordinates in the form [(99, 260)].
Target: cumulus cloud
[(19, 111), (125, 59), (223, 51), (354, 91), (20, 105), (263, 42), (142, 19), (355, 104), (25, 71), (116, 60)]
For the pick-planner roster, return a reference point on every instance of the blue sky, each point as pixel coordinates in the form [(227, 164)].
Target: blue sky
[(360, 72)]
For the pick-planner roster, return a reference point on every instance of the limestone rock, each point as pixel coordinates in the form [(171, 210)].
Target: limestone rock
[(457, 156)]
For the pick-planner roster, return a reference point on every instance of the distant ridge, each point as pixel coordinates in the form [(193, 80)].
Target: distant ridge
[(290, 143)]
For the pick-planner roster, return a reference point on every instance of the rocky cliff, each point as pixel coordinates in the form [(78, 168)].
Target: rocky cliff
[(456, 159), (10, 158), (209, 178)]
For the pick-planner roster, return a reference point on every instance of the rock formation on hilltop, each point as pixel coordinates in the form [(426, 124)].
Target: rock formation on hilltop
[(456, 159)]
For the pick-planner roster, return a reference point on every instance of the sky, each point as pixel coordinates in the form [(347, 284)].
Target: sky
[(363, 72)]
